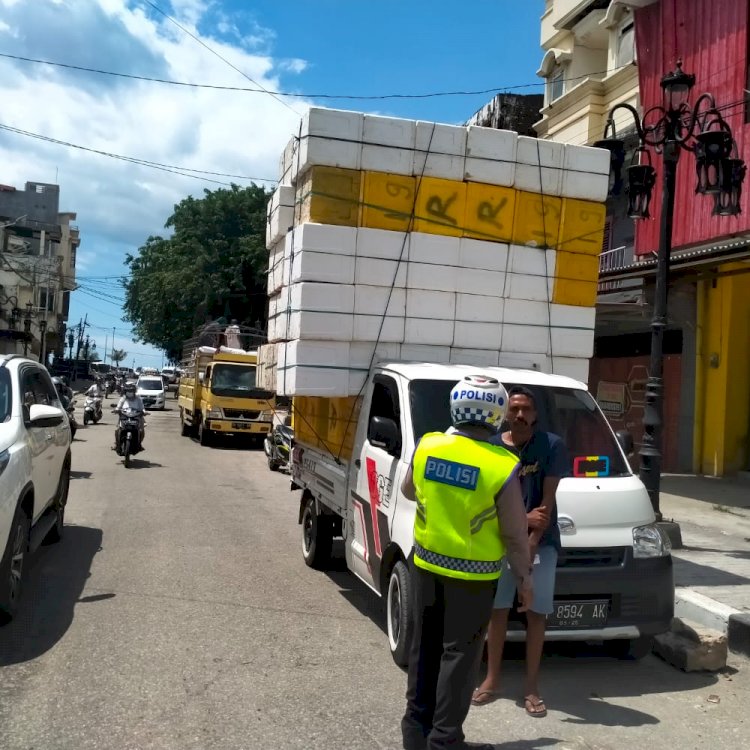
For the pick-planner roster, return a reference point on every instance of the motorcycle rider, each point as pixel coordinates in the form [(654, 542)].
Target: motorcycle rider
[(131, 405), (95, 390)]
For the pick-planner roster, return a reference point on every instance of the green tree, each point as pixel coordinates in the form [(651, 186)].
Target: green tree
[(93, 354), (118, 355), (214, 264)]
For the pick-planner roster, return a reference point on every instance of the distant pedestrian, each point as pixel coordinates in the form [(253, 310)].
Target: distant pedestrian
[(232, 335), (469, 515), (544, 461)]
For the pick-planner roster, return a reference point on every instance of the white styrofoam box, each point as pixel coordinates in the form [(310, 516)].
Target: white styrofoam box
[(489, 143), (377, 328), (319, 326), (490, 256), (440, 139), (425, 353), (324, 267), (332, 123), (479, 308), (395, 132), (523, 361), (526, 338), (444, 166), (282, 196), (585, 186), (314, 297), (536, 179), (382, 243), (572, 342), (479, 282), (361, 353), (586, 159), (571, 367), (477, 335), (357, 381), (289, 162), (378, 272), (433, 305), (479, 357), (426, 331), (273, 307), (314, 150), (531, 260), (387, 159), (325, 238), (528, 286), (573, 316), (539, 152), (432, 277), (301, 380), (527, 312), (279, 223), (434, 248), (379, 300), (501, 173), (319, 353)]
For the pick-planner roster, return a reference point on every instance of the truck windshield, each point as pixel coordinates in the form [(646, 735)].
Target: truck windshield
[(5, 395), (237, 381), (570, 413)]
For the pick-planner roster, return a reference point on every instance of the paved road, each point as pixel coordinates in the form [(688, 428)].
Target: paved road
[(177, 614)]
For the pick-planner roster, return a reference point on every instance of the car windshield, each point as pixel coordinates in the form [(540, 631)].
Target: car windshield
[(236, 380), (151, 384), (570, 413), (5, 395)]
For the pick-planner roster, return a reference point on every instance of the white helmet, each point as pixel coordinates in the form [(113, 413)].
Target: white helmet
[(479, 399)]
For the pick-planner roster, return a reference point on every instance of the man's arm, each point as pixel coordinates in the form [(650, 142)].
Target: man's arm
[(407, 486), (555, 468), (514, 531)]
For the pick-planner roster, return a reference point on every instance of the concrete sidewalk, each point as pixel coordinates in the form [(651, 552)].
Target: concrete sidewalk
[(712, 571)]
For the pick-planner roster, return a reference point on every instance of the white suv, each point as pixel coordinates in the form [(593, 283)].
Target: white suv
[(34, 469)]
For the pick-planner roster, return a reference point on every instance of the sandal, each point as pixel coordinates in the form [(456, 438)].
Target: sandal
[(534, 705), (484, 697)]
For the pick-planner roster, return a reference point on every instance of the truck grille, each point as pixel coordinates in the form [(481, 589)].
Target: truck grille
[(591, 557), (241, 414)]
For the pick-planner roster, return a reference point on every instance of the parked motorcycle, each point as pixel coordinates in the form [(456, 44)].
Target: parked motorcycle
[(92, 410), (70, 408), (278, 446), (128, 436)]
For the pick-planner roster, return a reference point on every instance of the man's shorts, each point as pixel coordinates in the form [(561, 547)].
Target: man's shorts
[(542, 579)]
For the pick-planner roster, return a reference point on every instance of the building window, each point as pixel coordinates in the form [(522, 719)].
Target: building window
[(556, 83), (625, 44), (47, 300)]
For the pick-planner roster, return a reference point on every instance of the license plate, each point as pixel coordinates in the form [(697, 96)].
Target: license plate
[(589, 614), (241, 426)]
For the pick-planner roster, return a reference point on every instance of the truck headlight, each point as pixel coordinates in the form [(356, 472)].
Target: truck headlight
[(650, 541), (215, 414), (265, 416)]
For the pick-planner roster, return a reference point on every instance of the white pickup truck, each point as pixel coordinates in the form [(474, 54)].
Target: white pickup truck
[(614, 581)]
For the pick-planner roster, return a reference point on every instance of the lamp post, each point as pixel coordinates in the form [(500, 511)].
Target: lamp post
[(42, 345), (670, 129)]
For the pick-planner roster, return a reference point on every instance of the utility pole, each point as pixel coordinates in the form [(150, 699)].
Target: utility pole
[(113, 346)]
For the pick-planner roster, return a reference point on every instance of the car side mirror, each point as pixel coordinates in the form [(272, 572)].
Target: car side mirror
[(625, 439), (383, 433), (41, 415)]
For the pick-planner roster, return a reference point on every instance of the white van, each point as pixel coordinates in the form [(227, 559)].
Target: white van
[(151, 390), (614, 580)]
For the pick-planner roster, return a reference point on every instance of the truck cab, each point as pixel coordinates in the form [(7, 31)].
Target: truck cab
[(614, 580)]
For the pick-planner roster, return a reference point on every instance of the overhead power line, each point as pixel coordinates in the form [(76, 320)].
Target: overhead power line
[(307, 95), (196, 174)]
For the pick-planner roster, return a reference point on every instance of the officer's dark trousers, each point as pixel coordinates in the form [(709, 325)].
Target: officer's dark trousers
[(450, 623)]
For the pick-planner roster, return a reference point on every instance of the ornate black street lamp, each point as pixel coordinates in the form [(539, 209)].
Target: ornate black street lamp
[(669, 129), (43, 341), (27, 329)]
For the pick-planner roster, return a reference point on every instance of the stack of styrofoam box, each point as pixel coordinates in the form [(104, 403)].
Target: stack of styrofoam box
[(280, 214), (337, 290)]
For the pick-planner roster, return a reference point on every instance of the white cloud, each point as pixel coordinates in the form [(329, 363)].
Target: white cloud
[(120, 204)]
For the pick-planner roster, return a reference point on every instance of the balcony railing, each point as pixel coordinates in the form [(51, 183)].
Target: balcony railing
[(609, 261)]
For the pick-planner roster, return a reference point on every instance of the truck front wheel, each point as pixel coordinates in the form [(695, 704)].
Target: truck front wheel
[(398, 614), (317, 537)]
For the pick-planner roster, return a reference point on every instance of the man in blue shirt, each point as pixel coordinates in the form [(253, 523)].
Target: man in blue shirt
[(544, 461)]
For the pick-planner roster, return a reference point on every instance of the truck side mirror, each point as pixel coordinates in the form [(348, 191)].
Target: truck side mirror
[(384, 433), (625, 439)]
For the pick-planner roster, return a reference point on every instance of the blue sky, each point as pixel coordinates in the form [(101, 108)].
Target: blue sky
[(303, 46)]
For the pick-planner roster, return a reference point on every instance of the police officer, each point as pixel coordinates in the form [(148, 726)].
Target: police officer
[(469, 515)]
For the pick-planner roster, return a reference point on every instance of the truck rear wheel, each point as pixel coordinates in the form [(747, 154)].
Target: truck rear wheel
[(185, 428), (204, 434), (398, 613), (317, 537)]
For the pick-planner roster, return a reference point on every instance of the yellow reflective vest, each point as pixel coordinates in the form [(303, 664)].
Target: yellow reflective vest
[(456, 529)]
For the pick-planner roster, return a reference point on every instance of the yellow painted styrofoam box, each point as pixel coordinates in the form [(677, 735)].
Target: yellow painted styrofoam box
[(571, 292), (582, 226), (328, 424), (329, 195), (387, 201), (537, 219), (576, 266), (441, 206), (489, 212)]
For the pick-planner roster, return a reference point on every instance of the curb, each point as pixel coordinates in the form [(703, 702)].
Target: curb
[(709, 613)]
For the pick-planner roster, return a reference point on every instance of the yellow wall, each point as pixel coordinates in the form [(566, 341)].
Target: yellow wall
[(723, 373)]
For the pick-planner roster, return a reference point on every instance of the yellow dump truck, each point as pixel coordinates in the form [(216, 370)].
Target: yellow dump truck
[(218, 395)]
